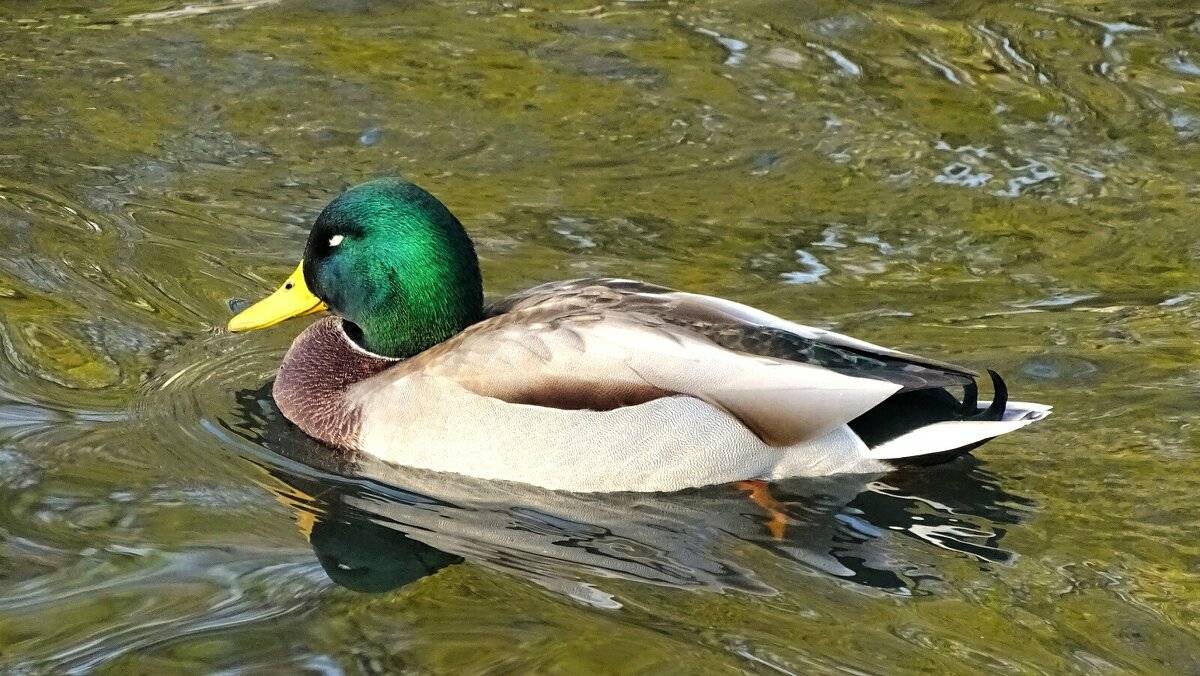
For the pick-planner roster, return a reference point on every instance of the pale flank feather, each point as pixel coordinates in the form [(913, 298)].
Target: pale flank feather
[(596, 356), (663, 445)]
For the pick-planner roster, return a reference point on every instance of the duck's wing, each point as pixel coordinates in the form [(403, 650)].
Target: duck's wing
[(569, 358), (603, 344), (745, 329)]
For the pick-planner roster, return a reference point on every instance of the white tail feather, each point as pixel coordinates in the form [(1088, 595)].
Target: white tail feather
[(947, 436)]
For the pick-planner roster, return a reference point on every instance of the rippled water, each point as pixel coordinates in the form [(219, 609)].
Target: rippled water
[(999, 184)]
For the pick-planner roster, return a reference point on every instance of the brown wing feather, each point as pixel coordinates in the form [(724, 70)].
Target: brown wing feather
[(729, 325), (588, 346)]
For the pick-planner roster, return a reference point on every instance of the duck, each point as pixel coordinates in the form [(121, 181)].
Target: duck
[(587, 385)]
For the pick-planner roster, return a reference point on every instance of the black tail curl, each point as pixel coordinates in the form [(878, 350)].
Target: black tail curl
[(970, 402), (995, 410)]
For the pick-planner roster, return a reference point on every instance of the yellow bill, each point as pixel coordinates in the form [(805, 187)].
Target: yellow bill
[(293, 299)]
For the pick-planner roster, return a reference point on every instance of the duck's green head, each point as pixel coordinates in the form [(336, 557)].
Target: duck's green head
[(392, 261)]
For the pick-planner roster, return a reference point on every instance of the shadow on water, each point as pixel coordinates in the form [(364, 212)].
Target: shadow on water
[(376, 527)]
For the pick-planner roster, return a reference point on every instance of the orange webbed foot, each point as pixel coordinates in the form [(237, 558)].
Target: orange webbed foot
[(760, 494)]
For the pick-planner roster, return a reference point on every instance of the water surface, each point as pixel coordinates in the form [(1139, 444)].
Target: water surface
[(1004, 185)]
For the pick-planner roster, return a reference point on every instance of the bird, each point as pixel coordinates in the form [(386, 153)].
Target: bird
[(587, 385)]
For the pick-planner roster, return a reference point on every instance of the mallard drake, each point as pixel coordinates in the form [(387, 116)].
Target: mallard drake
[(591, 384)]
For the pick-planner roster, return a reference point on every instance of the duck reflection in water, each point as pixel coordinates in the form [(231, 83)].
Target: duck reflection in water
[(362, 555), (376, 527)]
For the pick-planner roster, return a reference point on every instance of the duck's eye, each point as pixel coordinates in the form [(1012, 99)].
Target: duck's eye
[(335, 240)]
